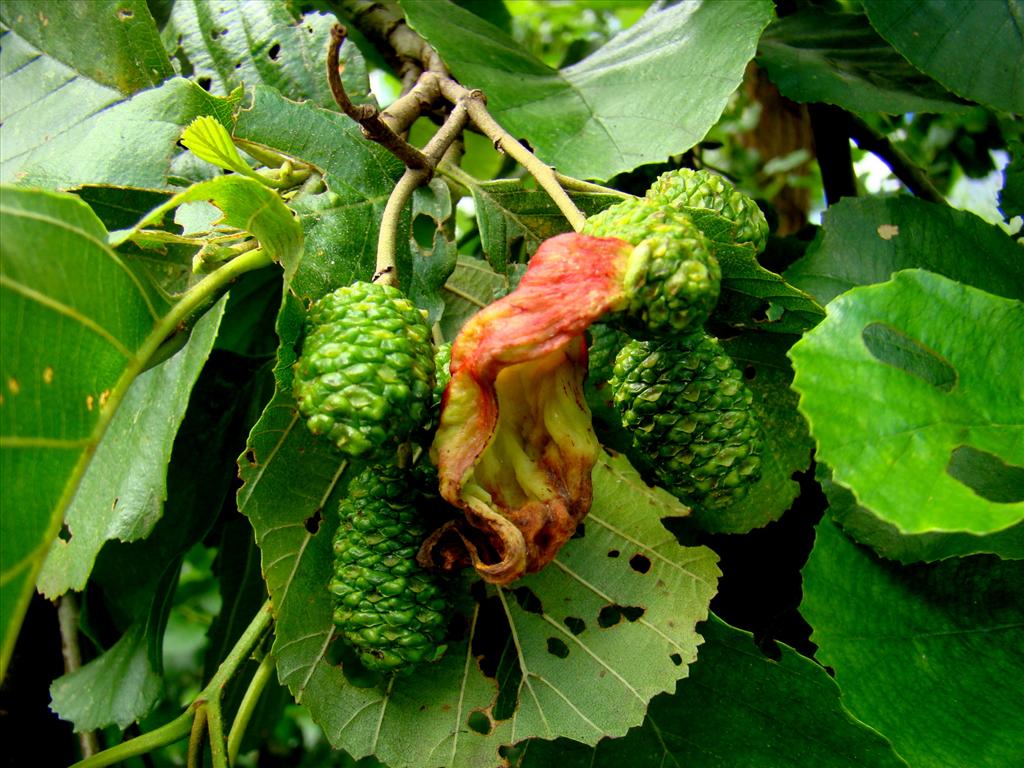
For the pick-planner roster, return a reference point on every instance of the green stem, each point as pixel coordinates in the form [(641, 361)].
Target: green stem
[(174, 731), (181, 726), (198, 296), (459, 176), (214, 724), (195, 739), (578, 185), (242, 649), (204, 292), (259, 681)]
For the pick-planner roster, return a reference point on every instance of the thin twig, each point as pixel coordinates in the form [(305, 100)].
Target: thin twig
[(383, 22), (385, 272), (402, 113), (544, 174), (67, 619), (367, 115), (915, 179)]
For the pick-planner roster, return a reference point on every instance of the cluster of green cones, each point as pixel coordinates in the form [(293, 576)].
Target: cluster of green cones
[(370, 380), (677, 391)]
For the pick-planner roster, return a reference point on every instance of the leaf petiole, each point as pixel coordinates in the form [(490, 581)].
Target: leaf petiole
[(186, 722), (259, 681)]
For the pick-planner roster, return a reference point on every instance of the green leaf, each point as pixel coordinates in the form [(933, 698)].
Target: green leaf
[(886, 540), (755, 297), (712, 722), (121, 207), (930, 655), (133, 584), (472, 286), (247, 205), (61, 130), (122, 493), (837, 58), (910, 392), (85, 326), (116, 43), (509, 214), (787, 448), (117, 687), (654, 90), (233, 42), (863, 241), (974, 49), (210, 141), (627, 571), (434, 260), (68, 356), (341, 224)]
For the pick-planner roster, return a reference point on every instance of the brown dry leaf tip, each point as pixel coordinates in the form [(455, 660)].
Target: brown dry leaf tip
[(515, 447)]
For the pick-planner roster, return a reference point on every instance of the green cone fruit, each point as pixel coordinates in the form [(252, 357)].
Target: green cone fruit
[(672, 280), (690, 413), (365, 377), (605, 343), (685, 188), (389, 609)]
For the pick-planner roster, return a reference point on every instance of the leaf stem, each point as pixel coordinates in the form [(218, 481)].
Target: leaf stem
[(251, 698), (202, 293), (173, 731), (195, 738), (67, 619), (184, 724), (215, 726), (579, 185), (545, 175)]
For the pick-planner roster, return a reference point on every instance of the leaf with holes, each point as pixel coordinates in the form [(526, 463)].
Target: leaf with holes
[(887, 540), (913, 394), (124, 50), (710, 721), (592, 638), (228, 43)]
